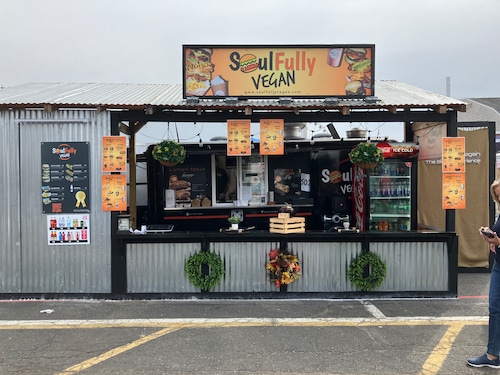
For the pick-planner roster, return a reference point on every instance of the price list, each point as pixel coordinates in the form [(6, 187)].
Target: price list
[(65, 177)]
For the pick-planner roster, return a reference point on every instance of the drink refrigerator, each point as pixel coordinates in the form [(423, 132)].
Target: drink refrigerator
[(385, 197)]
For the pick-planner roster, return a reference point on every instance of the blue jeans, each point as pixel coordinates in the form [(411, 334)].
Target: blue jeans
[(494, 309)]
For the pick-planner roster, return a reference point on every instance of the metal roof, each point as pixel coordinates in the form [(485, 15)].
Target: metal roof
[(390, 95), (493, 103)]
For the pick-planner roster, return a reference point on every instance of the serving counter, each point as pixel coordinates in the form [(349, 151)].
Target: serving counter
[(418, 263)]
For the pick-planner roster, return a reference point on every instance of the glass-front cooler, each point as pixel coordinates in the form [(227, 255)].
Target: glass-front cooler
[(390, 196), (385, 196)]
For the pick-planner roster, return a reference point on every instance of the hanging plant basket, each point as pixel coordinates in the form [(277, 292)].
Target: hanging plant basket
[(168, 163), (366, 155), (367, 165), (169, 153)]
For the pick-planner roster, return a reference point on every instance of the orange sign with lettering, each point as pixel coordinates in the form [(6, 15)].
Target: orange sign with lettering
[(272, 137), (278, 71), (453, 154), (238, 138), (114, 192), (453, 191), (114, 154)]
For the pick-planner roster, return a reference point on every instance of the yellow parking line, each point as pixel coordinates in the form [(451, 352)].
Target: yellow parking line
[(431, 366), (114, 352), (434, 362)]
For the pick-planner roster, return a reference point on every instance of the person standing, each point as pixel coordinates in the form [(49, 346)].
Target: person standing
[(491, 357)]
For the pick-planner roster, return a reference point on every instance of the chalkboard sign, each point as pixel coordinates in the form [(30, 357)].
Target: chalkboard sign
[(65, 177)]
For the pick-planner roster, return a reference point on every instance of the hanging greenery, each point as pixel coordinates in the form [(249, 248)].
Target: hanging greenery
[(169, 152), (367, 155), (192, 268), (377, 271)]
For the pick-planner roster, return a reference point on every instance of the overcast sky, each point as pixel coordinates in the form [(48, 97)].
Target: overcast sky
[(418, 42)]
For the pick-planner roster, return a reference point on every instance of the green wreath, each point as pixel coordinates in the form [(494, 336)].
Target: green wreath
[(192, 267), (357, 268)]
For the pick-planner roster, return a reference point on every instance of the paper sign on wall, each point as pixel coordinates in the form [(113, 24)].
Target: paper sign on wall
[(238, 138), (453, 154), (272, 134), (114, 192), (453, 191), (114, 154)]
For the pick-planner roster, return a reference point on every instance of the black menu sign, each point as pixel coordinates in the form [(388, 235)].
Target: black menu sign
[(65, 177)]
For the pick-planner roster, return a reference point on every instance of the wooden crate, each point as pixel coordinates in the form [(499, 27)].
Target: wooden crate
[(287, 225)]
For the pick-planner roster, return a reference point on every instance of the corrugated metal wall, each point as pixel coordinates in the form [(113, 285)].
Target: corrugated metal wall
[(414, 266), (28, 263), (411, 266), (159, 267), (10, 239), (324, 266)]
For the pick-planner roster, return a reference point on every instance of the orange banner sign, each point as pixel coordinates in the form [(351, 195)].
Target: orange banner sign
[(272, 137), (453, 154), (114, 154), (453, 191), (238, 138), (279, 71), (114, 192)]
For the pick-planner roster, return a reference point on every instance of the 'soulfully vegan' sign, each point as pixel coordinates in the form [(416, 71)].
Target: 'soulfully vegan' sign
[(278, 71)]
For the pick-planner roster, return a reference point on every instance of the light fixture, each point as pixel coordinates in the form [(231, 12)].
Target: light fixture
[(285, 100), (371, 99), (331, 101), (192, 100), (231, 100)]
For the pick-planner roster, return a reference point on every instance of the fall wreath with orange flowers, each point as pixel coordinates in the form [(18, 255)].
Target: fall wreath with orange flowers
[(284, 267)]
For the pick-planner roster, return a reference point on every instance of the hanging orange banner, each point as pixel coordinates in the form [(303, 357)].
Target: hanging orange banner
[(272, 137), (114, 192), (453, 191), (238, 138), (114, 154), (453, 154)]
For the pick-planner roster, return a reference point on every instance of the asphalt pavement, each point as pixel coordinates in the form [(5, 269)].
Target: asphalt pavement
[(315, 336)]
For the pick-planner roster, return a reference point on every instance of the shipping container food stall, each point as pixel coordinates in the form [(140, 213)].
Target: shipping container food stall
[(186, 248)]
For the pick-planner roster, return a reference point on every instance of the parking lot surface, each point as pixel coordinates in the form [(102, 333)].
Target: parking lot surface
[(315, 336)]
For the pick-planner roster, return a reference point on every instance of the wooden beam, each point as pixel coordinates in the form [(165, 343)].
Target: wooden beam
[(441, 109), (134, 129), (124, 128), (345, 110), (392, 109)]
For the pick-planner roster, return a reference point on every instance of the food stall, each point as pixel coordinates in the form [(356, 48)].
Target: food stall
[(188, 250)]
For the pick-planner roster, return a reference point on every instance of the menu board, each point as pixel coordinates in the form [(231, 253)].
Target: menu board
[(114, 154), (272, 133), (453, 191), (114, 192), (190, 182), (238, 138), (65, 177), (453, 154), (453, 167)]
